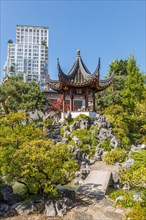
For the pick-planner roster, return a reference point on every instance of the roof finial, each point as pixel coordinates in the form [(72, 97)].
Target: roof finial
[(78, 53)]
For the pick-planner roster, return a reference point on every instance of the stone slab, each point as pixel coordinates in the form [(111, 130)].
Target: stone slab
[(76, 113)]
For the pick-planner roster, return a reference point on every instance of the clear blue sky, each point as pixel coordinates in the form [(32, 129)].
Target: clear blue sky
[(105, 29)]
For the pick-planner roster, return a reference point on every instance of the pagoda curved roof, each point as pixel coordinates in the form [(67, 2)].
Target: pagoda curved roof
[(78, 64), (79, 76)]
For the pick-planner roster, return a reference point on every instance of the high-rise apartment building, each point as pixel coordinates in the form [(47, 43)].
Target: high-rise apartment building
[(28, 57)]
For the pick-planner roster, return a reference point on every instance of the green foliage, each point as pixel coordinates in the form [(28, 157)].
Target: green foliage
[(140, 159), (138, 212), (28, 158), (88, 140), (106, 145), (136, 175), (115, 114), (126, 143), (62, 131), (19, 95), (135, 178), (40, 165), (112, 95), (115, 155), (127, 200), (19, 189), (14, 131), (133, 86), (83, 135), (69, 121), (82, 116), (124, 103)]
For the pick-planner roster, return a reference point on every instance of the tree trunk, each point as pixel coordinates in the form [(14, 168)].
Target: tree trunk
[(5, 108), (40, 191)]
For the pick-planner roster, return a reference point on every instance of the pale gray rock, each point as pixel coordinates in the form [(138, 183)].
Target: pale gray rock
[(84, 125), (135, 148), (77, 124), (72, 127), (115, 176), (76, 140), (66, 134), (114, 142), (25, 209), (143, 147), (50, 209), (59, 209), (68, 116), (137, 198), (64, 140), (119, 198), (91, 162), (127, 164), (77, 173), (126, 186)]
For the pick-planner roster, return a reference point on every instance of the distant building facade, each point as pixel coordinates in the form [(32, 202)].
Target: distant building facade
[(28, 57)]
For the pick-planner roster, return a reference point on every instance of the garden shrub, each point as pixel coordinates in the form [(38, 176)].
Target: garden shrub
[(106, 145), (116, 155), (88, 141), (127, 198), (138, 212), (82, 116), (140, 159)]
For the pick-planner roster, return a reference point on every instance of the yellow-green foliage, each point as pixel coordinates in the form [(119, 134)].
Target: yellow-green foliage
[(19, 95), (136, 175), (138, 212), (27, 157), (135, 178), (127, 200), (14, 130), (140, 159), (86, 138), (124, 103), (116, 155), (106, 145), (82, 116), (116, 115)]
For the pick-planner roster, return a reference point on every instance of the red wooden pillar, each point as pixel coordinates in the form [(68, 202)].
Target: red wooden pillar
[(63, 101), (86, 100), (94, 109), (71, 100)]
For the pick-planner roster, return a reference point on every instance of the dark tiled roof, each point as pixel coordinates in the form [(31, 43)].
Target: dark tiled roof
[(80, 76)]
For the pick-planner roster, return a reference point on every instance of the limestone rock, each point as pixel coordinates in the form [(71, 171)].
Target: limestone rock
[(127, 164), (4, 208), (114, 142), (50, 209)]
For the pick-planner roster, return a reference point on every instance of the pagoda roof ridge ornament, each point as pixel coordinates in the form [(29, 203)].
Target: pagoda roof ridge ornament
[(97, 70), (78, 53)]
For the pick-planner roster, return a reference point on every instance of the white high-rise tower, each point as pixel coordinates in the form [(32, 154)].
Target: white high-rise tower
[(28, 57)]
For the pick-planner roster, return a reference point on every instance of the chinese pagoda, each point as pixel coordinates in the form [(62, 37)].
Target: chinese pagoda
[(79, 82)]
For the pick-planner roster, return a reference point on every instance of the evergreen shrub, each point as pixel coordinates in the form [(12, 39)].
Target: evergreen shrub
[(127, 200), (116, 155)]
